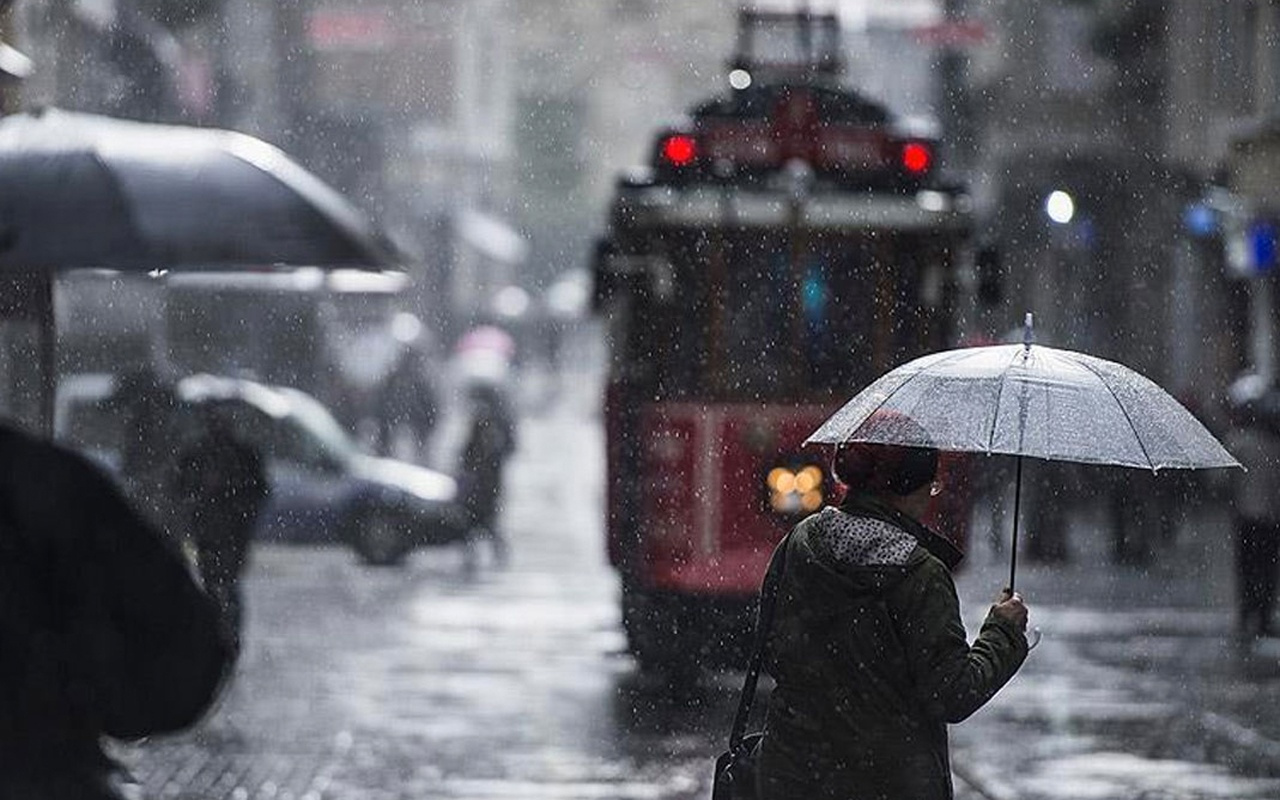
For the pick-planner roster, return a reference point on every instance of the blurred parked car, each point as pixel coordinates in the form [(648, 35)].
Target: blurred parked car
[(85, 417), (324, 488)]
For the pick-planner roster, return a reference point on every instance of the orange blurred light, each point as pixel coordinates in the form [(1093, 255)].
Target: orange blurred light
[(786, 483), (810, 478), (811, 500)]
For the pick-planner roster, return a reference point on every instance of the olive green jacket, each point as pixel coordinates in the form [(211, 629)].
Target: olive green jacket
[(871, 663)]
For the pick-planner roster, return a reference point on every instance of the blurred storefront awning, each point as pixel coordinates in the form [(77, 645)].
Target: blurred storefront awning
[(492, 237), (13, 64)]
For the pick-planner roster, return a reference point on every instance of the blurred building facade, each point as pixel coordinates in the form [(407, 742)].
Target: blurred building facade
[(401, 105), (1130, 110), (487, 133), (1248, 208)]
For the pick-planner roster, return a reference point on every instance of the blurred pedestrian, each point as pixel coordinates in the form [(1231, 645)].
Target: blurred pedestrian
[(1137, 511), (103, 629), (1254, 439), (491, 438), (224, 486), (485, 354), (148, 405), (866, 643), (1048, 488), (407, 409)]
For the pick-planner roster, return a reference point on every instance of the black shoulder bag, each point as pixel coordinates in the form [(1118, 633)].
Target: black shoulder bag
[(735, 775)]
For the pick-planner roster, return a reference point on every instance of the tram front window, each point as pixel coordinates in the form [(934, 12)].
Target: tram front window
[(756, 321)]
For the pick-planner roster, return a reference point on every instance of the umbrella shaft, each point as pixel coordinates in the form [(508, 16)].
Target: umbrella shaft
[(1017, 512)]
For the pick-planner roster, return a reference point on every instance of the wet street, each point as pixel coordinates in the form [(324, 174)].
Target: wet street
[(429, 682), (1139, 689), (425, 681)]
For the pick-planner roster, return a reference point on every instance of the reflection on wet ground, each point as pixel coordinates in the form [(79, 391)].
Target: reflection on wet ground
[(1138, 690)]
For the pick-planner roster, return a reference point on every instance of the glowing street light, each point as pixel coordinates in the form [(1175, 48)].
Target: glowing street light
[(1060, 207)]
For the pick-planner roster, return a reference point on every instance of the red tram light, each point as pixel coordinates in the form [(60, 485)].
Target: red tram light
[(916, 157), (679, 150)]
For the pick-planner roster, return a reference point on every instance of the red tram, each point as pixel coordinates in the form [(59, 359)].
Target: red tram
[(787, 244)]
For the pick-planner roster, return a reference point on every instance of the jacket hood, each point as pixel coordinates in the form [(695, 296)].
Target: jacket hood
[(870, 506), (865, 554)]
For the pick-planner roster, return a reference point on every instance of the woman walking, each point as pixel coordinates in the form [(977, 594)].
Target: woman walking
[(866, 644)]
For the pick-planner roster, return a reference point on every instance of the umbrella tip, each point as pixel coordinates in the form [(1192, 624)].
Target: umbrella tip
[(1028, 330)]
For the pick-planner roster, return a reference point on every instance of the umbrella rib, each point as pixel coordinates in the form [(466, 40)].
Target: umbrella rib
[(889, 396), (1123, 410), (995, 415)]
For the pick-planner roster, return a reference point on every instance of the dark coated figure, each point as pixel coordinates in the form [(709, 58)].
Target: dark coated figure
[(407, 405), (491, 439), (103, 629), (148, 405), (1254, 440), (223, 485), (866, 643)]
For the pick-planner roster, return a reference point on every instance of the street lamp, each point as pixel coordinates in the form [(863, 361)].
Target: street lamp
[(1060, 206)]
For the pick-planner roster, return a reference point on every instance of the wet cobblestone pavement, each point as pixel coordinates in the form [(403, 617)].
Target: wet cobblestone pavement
[(424, 682), (1139, 688)]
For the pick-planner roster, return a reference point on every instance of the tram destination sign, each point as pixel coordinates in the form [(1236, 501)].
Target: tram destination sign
[(712, 206)]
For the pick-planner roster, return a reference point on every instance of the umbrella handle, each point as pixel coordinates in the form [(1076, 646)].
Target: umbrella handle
[(1033, 638), (1017, 508)]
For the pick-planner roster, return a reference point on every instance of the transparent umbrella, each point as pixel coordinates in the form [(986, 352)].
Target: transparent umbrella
[(1026, 400)]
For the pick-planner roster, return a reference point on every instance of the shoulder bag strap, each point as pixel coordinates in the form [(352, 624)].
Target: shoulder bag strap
[(768, 598)]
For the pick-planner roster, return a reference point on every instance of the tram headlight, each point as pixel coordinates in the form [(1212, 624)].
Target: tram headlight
[(795, 489), (781, 480)]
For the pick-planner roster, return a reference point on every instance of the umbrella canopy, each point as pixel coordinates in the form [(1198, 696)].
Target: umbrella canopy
[(1028, 400), (81, 190)]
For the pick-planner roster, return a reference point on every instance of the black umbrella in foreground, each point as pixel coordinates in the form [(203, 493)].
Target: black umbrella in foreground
[(82, 190), (88, 191)]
